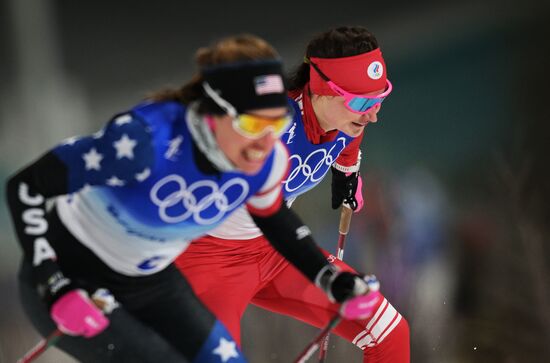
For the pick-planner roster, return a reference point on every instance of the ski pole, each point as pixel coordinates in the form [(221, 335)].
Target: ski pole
[(41, 347), (314, 344), (343, 229)]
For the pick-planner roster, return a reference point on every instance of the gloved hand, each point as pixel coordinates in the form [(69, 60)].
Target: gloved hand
[(346, 188), (357, 293), (76, 314), (362, 307)]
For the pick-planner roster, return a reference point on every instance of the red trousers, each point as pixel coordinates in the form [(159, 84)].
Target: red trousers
[(227, 275)]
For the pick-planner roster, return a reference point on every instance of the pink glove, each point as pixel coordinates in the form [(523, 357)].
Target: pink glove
[(360, 307), (358, 193), (75, 314)]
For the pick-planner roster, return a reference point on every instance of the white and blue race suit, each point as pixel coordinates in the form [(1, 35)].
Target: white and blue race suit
[(129, 199), (140, 197), (309, 163)]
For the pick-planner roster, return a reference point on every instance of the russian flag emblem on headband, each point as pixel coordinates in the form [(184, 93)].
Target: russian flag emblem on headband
[(270, 83), (375, 70)]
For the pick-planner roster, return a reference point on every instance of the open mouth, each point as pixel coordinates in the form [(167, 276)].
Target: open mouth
[(254, 155)]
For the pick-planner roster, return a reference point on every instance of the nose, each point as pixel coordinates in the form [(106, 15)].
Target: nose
[(267, 141), (371, 115)]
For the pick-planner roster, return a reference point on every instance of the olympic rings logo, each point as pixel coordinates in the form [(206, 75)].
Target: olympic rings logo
[(214, 196), (314, 167)]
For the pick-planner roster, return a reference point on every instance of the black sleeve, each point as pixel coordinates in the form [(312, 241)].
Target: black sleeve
[(27, 193), (88, 160), (292, 239)]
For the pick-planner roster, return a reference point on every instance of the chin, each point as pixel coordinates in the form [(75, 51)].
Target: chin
[(248, 169), (353, 132)]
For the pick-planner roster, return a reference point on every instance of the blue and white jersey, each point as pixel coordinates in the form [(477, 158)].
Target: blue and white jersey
[(309, 163), (137, 195)]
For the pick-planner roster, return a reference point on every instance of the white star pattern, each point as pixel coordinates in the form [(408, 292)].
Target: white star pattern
[(92, 159), (124, 119), (115, 182), (226, 350), (143, 175), (125, 147), (114, 156)]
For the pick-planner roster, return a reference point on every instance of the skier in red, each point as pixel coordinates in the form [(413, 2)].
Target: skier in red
[(336, 92), (98, 263)]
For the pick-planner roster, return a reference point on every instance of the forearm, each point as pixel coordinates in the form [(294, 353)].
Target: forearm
[(293, 240), (27, 192)]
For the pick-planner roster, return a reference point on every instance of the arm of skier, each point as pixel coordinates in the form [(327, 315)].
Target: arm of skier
[(347, 183), (293, 240), (63, 170)]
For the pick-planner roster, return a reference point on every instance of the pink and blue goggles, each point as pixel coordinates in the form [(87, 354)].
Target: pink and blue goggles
[(360, 104)]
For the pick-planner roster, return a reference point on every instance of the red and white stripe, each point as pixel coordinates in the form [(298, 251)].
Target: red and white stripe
[(382, 323), (268, 199)]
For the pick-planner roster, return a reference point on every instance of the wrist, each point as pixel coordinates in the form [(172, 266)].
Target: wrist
[(325, 278), (346, 169), (55, 286)]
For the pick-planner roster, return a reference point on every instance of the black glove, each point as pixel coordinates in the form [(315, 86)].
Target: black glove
[(54, 286), (343, 189), (342, 285), (57, 285)]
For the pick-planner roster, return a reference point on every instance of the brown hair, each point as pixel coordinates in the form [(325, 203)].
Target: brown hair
[(344, 41), (227, 50)]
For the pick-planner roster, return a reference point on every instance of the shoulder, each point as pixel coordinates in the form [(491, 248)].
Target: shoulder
[(296, 104), (279, 166), (159, 112)]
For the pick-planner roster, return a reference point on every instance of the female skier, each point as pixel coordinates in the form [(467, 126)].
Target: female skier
[(98, 259), (336, 92)]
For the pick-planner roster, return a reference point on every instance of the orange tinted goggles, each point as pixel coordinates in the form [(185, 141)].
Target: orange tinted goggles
[(251, 126), (254, 127)]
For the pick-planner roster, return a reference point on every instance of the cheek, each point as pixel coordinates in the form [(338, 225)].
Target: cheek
[(344, 113), (342, 116), (233, 144), (337, 114), (226, 138)]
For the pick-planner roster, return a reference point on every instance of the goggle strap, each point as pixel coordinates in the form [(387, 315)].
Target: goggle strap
[(323, 76), (226, 106)]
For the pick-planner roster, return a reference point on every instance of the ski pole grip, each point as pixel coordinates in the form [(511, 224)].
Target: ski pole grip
[(345, 219)]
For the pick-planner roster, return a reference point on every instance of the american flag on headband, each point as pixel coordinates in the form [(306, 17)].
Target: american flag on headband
[(271, 83)]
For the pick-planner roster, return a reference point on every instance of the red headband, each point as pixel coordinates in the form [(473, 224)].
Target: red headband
[(358, 74)]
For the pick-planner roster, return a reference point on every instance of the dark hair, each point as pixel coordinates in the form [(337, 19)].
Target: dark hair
[(344, 41), (232, 49)]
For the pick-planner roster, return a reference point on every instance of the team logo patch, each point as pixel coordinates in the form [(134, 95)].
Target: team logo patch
[(271, 83), (375, 70)]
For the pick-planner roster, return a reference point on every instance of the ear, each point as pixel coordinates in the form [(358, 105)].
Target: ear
[(210, 122)]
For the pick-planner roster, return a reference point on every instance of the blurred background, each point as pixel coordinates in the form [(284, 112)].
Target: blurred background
[(456, 223)]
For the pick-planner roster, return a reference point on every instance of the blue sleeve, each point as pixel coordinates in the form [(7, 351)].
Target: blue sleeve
[(121, 153)]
